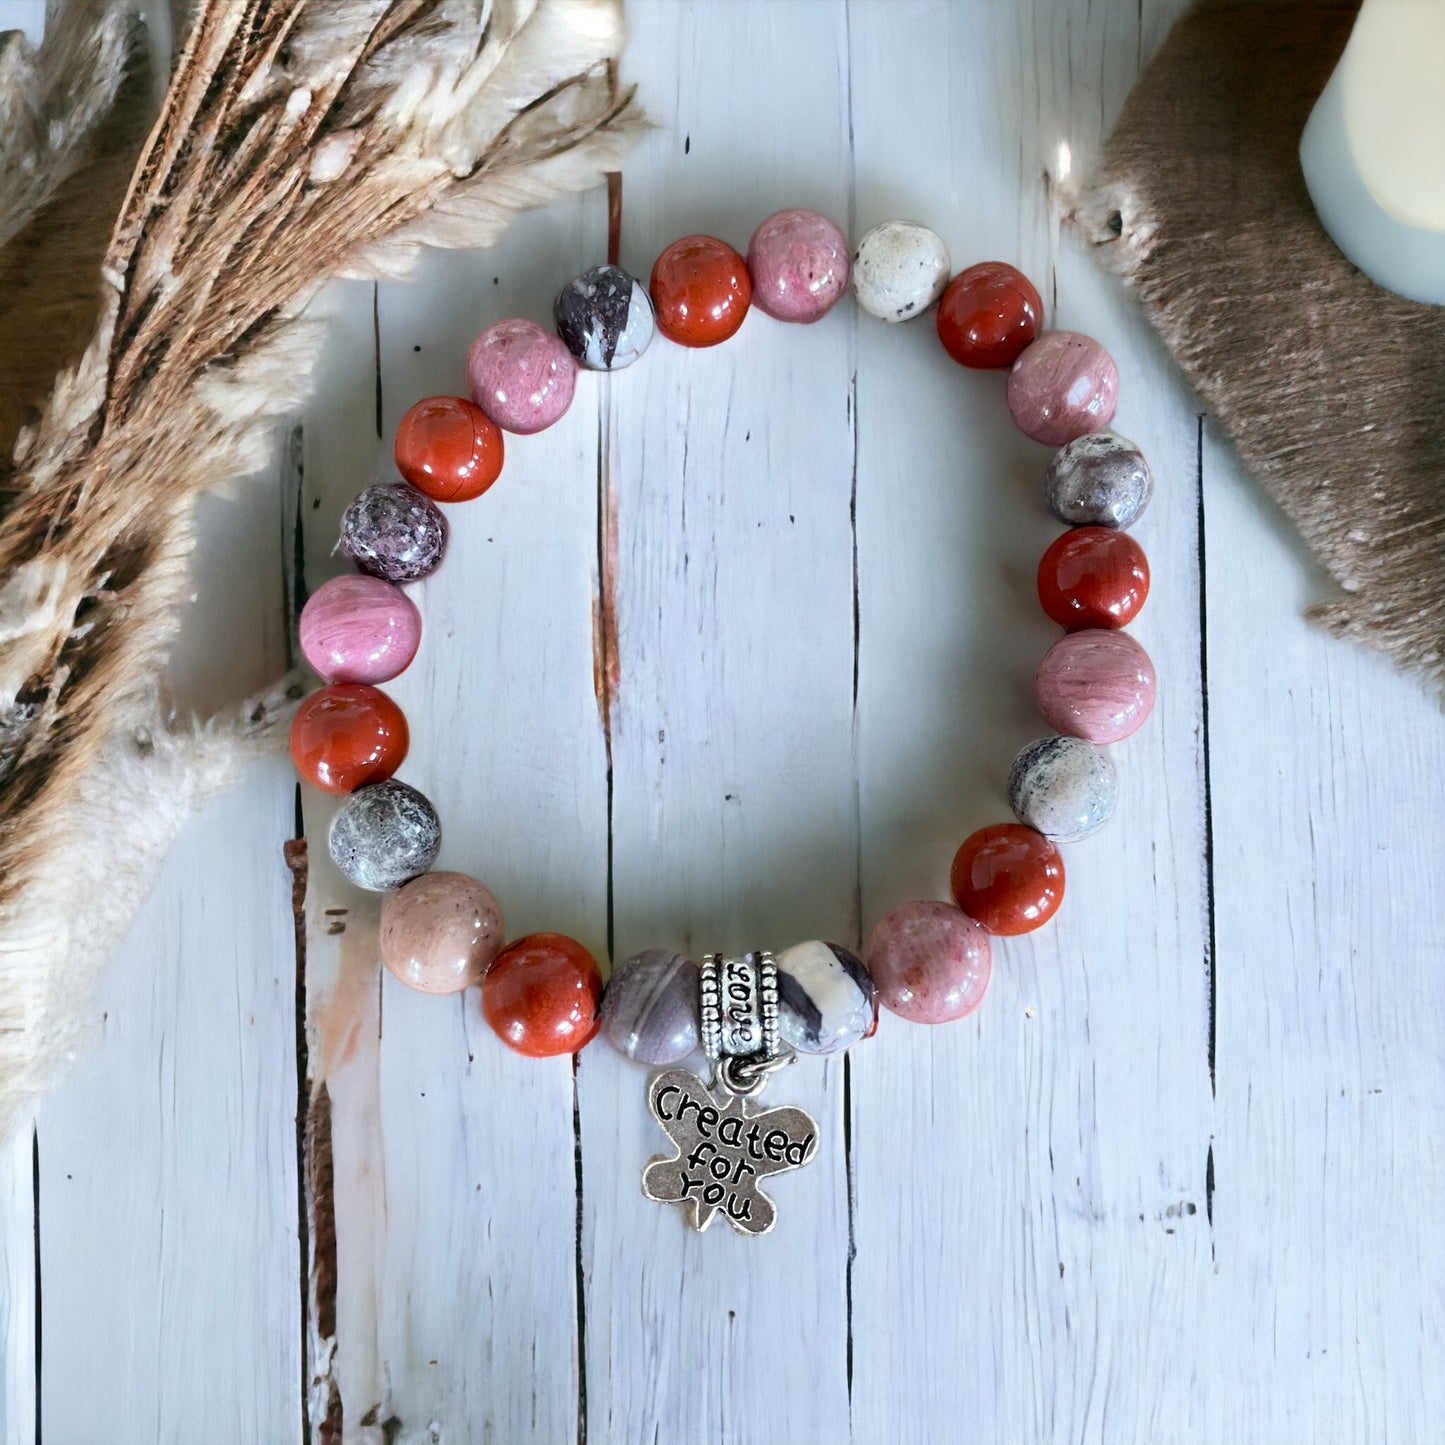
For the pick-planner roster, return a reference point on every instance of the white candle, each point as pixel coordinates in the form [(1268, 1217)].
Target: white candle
[(1373, 150)]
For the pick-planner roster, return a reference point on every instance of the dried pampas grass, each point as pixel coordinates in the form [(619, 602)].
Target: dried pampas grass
[(299, 140)]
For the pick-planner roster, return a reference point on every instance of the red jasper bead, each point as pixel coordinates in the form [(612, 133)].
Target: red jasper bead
[(543, 995), (1008, 877), (449, 448), (701, 291), (348, 735), (1093, 577), (988, 314)]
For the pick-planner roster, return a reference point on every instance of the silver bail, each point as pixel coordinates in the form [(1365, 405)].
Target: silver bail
[(738, 1006)]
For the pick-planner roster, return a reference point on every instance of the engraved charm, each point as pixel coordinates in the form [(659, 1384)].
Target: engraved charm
[(723, 1150)]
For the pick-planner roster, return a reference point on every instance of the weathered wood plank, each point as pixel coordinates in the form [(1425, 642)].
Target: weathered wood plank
[(453, 1159), (17, 1289), (734, 805), (1328, 836), (1029, 1183), (169, 1261)]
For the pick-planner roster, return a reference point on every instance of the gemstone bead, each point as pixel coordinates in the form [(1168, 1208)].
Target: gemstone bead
[(440, 932), (393, 531), (1093, 577), (826, 1000), (899, 270), (542, 995), (383, 835), (604, 318), (701, 291), (1099, 480), (359, 629), (348, 735), (798, 261), (1062, 787), (1095, 684), (521, 375), (1010, 878), (1061, 387), (930, 961), (449, 448), (650, 1008), (988, 314)]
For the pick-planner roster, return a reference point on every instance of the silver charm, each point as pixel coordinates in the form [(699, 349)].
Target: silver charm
[(722, 1147)]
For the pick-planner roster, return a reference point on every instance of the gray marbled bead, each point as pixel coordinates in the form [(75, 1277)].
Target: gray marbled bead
[(394, 532), (826, 999), (1065, 788), (1099, 480), (385, 834), (649, 1011), (604, 317)]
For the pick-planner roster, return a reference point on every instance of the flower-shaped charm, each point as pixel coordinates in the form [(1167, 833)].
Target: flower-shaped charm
[(723, 1151)]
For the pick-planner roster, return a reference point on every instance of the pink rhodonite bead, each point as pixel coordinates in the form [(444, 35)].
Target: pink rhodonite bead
[(929, 961), (359, 629), (799, 264), (1095, 684), (521, 376), (1063, 386)]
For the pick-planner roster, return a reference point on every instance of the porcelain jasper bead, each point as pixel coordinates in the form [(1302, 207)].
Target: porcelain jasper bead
[(359, 629), (1099, 480), (521, 376), (826, 1000), (650, 1008), (930, 962), (798, 261), (1065, 788), (604, 318), (1095, 684), (1061, 387), (440, 932), (899, 270)]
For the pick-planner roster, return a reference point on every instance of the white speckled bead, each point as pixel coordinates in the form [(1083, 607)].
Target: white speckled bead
[(1065, 788), (899, 270), (1098, 480), (826, 1000)]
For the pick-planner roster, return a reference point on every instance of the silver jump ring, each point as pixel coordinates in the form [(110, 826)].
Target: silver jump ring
[(744, 1077)]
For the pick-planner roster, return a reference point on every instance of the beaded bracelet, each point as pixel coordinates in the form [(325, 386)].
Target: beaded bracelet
[(928, 961)]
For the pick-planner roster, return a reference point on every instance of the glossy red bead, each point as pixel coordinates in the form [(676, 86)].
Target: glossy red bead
[(1093, 577), (543, 995), (449, 448), (1008, 877), (988, 314), (701, 291), (348, 735)]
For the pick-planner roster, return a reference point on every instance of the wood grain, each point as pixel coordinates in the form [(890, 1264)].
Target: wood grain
[(734, 656)]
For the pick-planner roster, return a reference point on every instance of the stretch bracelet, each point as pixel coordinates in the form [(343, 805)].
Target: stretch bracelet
[(927, 960)]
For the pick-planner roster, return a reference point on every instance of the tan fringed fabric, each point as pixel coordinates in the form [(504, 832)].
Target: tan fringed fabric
[(1332, 389), (167, 278)]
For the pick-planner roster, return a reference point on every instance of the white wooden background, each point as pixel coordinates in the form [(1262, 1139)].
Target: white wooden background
[(1179, 1179)]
